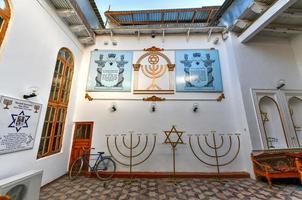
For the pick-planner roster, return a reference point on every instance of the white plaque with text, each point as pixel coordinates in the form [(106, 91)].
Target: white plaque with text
[(18, 124)]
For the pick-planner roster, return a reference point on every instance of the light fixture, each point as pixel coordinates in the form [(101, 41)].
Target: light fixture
[(153, 35), (195, 107), (32, 92), (280, 84), (113, 107), (216, 41), (153, 107)]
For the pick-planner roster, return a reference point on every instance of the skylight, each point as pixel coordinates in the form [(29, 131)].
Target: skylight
[(124, 5)]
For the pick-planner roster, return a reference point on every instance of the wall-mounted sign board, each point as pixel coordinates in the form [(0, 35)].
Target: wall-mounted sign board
[(18, 124), (110, 71), (198, 71)]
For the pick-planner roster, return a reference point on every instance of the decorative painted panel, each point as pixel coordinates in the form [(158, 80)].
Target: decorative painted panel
[(153, 71), (198, 71), (110, 71)]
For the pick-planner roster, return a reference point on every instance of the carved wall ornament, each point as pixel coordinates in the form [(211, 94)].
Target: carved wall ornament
[(221, 97), (154, 99), (88, 97)]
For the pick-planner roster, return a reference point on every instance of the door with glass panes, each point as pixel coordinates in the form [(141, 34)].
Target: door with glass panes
[(81, 139)]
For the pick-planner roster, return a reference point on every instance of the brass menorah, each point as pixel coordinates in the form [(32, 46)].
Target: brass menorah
[(153, 71), (129, 149), (216, 150)]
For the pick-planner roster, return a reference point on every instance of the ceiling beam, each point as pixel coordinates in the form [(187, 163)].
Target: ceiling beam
[(66, 12), (258, 7), (86, 40), (193, 17), (284, 28), (272, 13), (292, 13), (77, 28)]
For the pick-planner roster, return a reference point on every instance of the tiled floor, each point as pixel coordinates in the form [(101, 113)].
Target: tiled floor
[(187, 189)]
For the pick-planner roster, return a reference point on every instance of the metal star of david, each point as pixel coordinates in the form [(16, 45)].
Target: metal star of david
[(168, 137)]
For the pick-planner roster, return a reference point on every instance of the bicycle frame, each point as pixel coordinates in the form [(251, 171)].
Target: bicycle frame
[(86, 159)]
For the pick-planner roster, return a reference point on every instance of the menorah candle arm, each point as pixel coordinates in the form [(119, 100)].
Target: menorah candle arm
[(207, 142), (160, 73), (148, 154), (191, 147), (125, 143), (229, 149), (146, 72), (142, 151), (222, 142), (108, 146), (138, 142), (203, 151), (235, 156), (118, 149)]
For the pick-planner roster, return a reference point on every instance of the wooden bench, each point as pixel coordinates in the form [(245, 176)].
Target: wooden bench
[(277, 165)]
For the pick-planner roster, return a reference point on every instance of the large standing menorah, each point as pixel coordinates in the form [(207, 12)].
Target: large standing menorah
[(216, 154), (153, 71), (128, 153)]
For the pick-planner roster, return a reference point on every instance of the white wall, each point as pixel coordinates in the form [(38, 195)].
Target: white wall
[(296, 43), (261, 63), (224, 117), (27, 58)]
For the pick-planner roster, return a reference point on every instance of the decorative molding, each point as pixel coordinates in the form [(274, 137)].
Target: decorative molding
[(154, 99), (171, 67), (153, 48), (136, 67), (87, 96), (221, 97)]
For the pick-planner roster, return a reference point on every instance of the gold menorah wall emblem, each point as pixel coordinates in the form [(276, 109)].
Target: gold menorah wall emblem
[(217, 154), (153, 65), (154, 71)]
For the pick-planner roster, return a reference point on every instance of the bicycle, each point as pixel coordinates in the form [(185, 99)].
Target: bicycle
[(104, 166)]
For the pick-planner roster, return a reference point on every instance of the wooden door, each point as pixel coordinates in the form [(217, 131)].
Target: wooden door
[(82, 138)]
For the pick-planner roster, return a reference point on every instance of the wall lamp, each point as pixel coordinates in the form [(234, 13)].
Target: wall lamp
[(280, 84), (195, 107), (32, 92), (113, 107), (153, 107)]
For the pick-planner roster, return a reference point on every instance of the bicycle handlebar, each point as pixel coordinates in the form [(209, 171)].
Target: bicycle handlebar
[(83, 148)]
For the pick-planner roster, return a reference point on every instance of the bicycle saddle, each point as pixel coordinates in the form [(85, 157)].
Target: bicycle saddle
[(101, 153)]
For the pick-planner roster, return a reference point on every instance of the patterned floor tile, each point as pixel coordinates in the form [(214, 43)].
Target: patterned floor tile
[(163, 189)]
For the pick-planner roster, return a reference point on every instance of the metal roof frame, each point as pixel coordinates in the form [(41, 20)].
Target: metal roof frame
[(162, 16)]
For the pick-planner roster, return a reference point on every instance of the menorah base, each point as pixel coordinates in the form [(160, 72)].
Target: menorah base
[(156, 175)]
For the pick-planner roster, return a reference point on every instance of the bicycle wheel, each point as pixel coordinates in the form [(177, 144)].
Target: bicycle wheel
[(76, 168), (105, 169)]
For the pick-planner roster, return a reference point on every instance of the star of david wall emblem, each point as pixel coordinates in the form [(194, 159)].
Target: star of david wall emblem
[(173, 137), (19, 121)]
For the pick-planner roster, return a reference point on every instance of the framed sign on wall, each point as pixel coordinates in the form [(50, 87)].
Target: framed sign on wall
[(110, 71), (18, 124), (198, 71)]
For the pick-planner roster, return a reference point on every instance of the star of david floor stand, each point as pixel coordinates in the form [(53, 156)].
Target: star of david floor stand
[(173, 143)]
